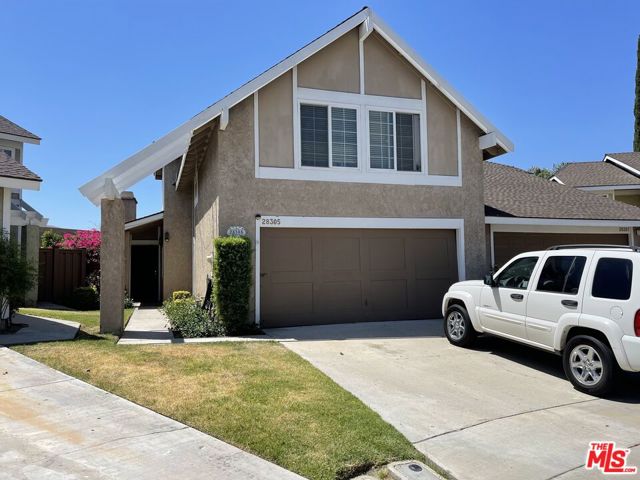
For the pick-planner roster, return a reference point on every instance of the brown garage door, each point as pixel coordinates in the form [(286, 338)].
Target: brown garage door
[(508, 244), (316, 276)]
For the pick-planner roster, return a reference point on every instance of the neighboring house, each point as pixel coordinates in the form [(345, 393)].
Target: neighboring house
[(616, 176), (17, 218), (525, 212), (352, 165)]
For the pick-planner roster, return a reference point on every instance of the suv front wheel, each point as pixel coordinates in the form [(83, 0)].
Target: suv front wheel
[(458, 327), (589, 364)]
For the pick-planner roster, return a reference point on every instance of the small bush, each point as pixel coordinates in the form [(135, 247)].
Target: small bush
[(50, 239), (187, 318), (128, 301), (180, 295), (84, 298), (232, 282)]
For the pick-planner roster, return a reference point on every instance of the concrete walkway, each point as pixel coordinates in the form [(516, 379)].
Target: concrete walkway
[(38, 329), (497, 411), (53, 426), (148, 325)]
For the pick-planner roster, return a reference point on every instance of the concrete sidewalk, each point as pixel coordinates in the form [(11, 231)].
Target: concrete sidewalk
[(39, 329), (497, 411), (53, 426)]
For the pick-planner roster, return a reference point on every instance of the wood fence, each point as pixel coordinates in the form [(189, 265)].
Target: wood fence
[(61, 271)]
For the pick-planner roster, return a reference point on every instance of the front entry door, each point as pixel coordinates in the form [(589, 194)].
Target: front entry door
[(145, 274), (503, 307)]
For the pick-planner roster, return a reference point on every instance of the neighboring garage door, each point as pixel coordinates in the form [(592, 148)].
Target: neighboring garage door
[(508, 244), (316, 276)]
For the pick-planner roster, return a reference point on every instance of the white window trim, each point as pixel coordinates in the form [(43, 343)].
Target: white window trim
[(275, 221), (363, 173), (12, 149)]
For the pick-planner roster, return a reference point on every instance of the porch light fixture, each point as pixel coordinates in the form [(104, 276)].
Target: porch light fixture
[(166, 236)]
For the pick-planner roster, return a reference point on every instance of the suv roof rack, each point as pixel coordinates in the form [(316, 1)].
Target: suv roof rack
[(593, 245)]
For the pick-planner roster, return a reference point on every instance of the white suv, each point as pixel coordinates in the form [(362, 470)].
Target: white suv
[(582, 301)]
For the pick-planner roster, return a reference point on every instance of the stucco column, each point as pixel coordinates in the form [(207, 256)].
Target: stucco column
[(31, 241), (112, 265)]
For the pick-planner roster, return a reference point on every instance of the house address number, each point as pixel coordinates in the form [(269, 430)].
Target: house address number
[(270, 221)]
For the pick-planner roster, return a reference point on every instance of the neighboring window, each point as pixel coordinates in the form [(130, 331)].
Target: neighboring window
[(314, 136), (518, 273), (394, 141), (561, 274), (612, 279), (344, 137), (7, 153), (323, 127)]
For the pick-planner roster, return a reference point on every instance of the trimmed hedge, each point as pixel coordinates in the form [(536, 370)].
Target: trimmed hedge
[(232, 282), (180, 295), (188, 319), (84, 298)]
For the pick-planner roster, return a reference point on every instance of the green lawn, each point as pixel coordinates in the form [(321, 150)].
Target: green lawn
[(258, 396), (90, 319)]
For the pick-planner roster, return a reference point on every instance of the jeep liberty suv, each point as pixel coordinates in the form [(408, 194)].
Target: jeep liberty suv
[(581, 301)]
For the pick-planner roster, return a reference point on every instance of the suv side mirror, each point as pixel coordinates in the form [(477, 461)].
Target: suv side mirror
[(488, 280)]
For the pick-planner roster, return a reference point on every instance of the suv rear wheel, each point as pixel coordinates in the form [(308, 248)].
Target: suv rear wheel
[(458, 327), (589, 364)]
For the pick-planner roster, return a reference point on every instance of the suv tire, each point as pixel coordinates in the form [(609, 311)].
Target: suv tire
[(458, 327), (589, 364)]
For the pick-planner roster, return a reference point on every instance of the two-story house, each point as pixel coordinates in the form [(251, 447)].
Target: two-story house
[(353, 166), (18, 219)]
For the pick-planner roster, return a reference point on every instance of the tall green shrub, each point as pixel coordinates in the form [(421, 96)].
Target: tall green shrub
[(232, 282), (17, 276)]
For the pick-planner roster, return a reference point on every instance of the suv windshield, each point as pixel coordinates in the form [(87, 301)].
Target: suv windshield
[(517, 274)]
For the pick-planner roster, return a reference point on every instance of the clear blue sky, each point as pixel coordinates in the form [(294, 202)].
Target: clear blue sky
[(99, 80)]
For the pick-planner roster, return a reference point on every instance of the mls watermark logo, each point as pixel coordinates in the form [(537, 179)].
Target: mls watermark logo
[(610, 460)]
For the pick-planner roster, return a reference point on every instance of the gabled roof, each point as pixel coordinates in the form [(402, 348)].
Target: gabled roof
[(174, 144), (9, 168), (512, 192), (595, 174), (8, 129), (629, 161)]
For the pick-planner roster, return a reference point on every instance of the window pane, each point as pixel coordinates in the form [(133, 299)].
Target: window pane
[(613, 279), (562, 274), (314, 136), (518, 274), (6, 153), (344, 137), (381, 139), (408, 141)]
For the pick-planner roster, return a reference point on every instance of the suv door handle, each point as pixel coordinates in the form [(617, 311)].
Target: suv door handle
[(517, 296), (569, 303)]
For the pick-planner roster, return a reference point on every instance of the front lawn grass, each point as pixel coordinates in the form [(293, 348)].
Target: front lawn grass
[(89, 319), (258, 396)]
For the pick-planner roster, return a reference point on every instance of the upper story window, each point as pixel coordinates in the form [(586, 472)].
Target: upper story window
[(7, 153), (328, 133), (394, 141)]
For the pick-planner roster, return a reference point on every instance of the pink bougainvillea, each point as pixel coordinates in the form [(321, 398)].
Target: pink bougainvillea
[(89, 239)]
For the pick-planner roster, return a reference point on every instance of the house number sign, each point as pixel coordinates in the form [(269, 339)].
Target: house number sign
[(236, 231)]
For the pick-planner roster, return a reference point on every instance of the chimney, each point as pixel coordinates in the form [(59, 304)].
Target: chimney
[(130, 204)]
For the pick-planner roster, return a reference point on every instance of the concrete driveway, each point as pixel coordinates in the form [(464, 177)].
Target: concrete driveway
[(55, 427), (500, 410)]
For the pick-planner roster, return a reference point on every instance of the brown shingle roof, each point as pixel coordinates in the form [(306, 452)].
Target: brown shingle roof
[(630, 158), (511, 192), (592, 174), (12, 169), (7, 126)]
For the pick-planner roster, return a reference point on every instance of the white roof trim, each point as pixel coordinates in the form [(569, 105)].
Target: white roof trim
[(556, 179), (175, 143), (19, 138), (144, 221), (11, 182), (622, 165), (561, 222)]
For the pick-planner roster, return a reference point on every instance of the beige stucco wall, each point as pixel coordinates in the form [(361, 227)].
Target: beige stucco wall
[(176, 254), (386, 72), (336, 67), (441, 133), (231, 195), (275, 118), (630, 199)]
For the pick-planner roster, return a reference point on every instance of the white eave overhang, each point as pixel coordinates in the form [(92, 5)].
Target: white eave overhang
[(139, 222), (25, 184), (560, 222), (174, 145)]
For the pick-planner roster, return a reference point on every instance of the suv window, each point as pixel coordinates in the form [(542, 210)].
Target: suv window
[(561, 274), (518, 273), (612, 279)]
